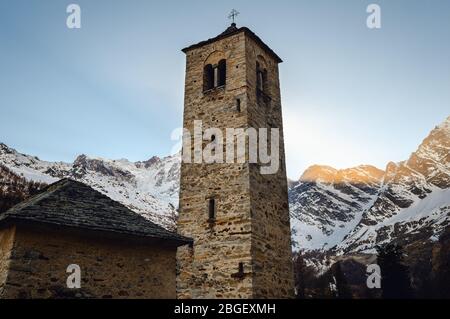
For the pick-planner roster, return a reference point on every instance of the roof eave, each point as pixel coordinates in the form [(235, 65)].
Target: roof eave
[(223, 36), (177, 240)]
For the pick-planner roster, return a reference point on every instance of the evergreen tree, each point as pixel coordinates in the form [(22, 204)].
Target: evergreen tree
[(342, 287), (299, 275), (443, 266), (14, 188), (395, 278)]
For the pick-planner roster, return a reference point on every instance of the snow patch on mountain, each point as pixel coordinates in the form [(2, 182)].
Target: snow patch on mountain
[(351, 211), (327, 204), (150, 188), (341, 211)]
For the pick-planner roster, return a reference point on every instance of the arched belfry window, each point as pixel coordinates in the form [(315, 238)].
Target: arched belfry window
[(262, 82), (208, 77), (261, 78), (222, 76), (215, 71)]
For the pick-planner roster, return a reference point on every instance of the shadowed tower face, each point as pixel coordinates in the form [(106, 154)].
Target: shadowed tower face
[(237, 216)]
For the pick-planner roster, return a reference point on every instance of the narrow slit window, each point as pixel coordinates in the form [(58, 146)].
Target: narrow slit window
[(238, 105), (222, 70), (212, 209), (241, 268)]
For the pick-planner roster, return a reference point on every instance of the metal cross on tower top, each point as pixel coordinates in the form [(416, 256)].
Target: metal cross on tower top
[(233, 14)]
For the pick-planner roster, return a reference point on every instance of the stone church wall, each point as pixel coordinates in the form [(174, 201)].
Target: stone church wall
[(110, 267), (251, 230), (6, 245), (209, 269), (271, 237)]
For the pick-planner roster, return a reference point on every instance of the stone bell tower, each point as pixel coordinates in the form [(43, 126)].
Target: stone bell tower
[(237, 216)]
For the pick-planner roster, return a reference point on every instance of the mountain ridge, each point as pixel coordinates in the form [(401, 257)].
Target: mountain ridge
[(148, 187), (337, 210), (410, 196)]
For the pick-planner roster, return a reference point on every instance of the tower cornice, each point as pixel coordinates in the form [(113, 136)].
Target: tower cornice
[(233, 30)]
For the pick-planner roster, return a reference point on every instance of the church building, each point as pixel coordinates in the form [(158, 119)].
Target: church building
[(71, 227), (237, 216), (233, 227)]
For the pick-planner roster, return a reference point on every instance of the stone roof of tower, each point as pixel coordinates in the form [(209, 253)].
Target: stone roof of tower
[(232, 30), (76, 205)]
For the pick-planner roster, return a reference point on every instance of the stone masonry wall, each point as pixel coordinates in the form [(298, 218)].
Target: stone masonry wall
[(252, 217), (209, 268), (110, 267), (6, 245), (271, 236)]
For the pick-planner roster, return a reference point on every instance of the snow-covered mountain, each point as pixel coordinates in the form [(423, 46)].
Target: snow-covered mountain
[(352, 210), (326, 204), (338, 211), (149, 188)]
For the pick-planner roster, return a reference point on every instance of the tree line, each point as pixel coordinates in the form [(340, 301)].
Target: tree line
[(14, 188), (346, 278)]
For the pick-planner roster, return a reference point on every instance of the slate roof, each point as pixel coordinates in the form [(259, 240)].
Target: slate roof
[(232, 30), (74, 204)]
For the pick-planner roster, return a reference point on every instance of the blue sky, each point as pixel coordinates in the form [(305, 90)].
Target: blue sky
[(114, 88)]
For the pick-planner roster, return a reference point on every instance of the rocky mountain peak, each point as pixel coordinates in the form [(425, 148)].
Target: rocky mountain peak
[(83, 164), (4, 149), (363, 174), (150, 162), (319, 173), (413, 196), (151, 190), (348, 209), (352, 210), (445, 125), (80, 159)]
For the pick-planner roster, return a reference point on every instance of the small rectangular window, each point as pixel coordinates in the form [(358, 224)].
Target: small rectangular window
[(212, 209), (240, 273), (238, 105)]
